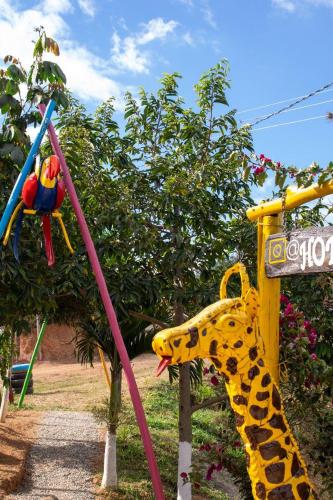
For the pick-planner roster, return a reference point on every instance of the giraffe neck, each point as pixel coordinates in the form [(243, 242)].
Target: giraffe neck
[(274, 461)]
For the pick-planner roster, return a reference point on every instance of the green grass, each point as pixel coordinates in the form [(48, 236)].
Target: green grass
[(161, 407)]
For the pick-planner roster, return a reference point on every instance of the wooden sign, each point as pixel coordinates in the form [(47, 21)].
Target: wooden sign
[(299, 252)]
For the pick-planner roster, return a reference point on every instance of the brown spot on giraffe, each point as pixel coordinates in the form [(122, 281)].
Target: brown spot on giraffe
[(303, 490), (261, 491), (245, 387), (257, 412), (253, 353), (204, 332), (287, 440), (260, 362), (249, 329), (277, 422), (194, 337), (239, 419), (225, 376), (213, 348), (271, 450), (275, 472), (240, 400), (253, 372), (296, 468), (247, 459), (225, 346), (238, 344), (281, 492), (177, 342), (257, 435), (232, 365), (276, 399), (262, 396), (266, 380)]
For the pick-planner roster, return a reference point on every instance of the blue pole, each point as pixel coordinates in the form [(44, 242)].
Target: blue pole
[(26, 168)]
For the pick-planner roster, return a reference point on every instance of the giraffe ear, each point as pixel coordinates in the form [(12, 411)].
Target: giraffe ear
[(251, 302)]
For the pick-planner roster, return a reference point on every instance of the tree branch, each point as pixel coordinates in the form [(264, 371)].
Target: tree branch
[(208, 402), (145, 317)]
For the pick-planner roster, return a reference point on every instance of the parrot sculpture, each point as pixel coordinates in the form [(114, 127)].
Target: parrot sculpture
[(42, 194)]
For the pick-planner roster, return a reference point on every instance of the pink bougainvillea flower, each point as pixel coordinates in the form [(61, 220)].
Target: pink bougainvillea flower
[(183, 475), (262, 156), (214, 380), (210, 472), (284, 299), (289, 310), (237, 444), (205, 370), (219, 467), (208, 447), (307, 324), (259, 170), (314, 356)]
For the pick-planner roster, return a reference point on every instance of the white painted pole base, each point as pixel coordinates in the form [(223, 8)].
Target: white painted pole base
[(110, 479), (184, 491), (4, 404)]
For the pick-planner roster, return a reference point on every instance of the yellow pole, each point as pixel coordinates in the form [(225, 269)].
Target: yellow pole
[(269, 295), (105, 368)]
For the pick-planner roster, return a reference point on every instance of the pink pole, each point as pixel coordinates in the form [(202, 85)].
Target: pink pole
[(111, 315)]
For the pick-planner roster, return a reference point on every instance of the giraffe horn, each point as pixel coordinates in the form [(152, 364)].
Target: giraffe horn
[(165, 361)]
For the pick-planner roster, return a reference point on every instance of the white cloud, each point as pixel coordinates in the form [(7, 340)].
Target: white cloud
[(87, 7), (208, 14), (293, 5), (56, 6), (155, 29), (287, 5), (126, 53), (188, 39), (88, 76)]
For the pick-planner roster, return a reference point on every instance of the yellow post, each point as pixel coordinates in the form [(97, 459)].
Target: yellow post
[(269, 295)]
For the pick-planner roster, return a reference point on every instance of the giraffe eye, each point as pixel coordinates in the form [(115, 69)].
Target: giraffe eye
[(231, 323)]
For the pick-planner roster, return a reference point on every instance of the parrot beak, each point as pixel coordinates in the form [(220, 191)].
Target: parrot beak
[(54, 166)]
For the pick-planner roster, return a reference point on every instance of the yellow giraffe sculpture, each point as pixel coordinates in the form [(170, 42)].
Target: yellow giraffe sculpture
[(227, 333)]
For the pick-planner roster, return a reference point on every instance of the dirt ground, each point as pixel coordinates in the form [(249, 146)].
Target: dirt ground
[(16, 436), (57, 386)]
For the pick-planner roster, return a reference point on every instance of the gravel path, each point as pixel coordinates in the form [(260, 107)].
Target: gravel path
[(59, 463)]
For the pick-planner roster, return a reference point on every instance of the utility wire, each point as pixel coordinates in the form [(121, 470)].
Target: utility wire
[(275, 103), (303, 107), (290, 123), (301, 99)]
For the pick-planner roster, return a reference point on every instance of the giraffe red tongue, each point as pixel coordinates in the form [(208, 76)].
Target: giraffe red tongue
[(163, 364)]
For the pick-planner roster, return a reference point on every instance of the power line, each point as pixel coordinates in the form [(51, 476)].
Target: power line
[(307, 106), (275, 103), (290, 123), (301, 99)]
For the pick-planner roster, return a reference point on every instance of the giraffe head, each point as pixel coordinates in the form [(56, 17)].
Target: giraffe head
[(223, 332)]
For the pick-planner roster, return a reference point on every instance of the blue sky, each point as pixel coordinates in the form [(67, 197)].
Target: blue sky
[(277, 49)]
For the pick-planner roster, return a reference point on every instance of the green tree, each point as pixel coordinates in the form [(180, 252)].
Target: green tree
[(189, 193)]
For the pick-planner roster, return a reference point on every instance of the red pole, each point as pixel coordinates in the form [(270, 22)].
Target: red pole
[(111, 315)]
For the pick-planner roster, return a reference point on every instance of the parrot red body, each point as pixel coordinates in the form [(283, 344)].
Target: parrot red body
[(43, 191)]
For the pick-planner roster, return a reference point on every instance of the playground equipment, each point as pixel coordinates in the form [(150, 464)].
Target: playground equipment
[(43, 194), (97, 270), (227, 333)]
